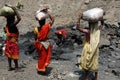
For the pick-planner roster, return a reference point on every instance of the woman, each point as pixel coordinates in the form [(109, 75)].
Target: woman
[(42, 44), (61, 35), (12, 49), (89, 57)]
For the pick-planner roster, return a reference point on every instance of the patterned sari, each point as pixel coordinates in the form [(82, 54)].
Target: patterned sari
[(43, 47), (12, 49), (89, 57)]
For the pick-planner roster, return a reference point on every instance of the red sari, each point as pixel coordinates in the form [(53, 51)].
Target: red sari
[(43, 52), (62, 32), (11, 49)]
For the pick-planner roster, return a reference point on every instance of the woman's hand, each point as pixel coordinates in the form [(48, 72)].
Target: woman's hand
[(51, 18), (80, 15)]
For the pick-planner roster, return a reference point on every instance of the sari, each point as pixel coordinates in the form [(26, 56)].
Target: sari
[(62, 32), (89, 57), (43, 47), (11, 48)]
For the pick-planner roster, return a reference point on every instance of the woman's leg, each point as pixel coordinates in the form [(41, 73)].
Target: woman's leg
[(96, 75), (10, 64), (86, 75), (17, 69), (16, 64)]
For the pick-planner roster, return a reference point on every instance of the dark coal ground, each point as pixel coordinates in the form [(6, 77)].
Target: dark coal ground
[(63, 57)]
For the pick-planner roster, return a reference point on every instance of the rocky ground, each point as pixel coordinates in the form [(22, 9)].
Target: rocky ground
[(63, 58)]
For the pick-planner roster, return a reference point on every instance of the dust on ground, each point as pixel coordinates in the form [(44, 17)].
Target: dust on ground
[(63, 59)]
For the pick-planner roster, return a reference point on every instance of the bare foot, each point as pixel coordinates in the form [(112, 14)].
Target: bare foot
[(11, 69), (41, 73)]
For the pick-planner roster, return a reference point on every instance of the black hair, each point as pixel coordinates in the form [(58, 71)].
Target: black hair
[(42, 22), (10, 23), (10, 20)]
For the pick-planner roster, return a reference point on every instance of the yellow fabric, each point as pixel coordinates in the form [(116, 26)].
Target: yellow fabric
[(89, 57), (12, 56), (36, 30)]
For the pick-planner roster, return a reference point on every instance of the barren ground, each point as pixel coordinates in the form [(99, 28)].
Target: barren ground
[(63, 67)]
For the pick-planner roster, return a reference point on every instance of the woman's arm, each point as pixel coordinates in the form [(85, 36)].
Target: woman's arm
[(78, 25), (101, 26), (52, 19), (17, 15)]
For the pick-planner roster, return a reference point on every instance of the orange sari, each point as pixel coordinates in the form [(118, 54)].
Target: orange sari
[(43, 47), (11, 49)]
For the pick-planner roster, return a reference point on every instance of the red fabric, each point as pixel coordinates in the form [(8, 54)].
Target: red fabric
[(62, 31), (12, 49), (11, 34), (43, 57), (43, 54), (43, 33)]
